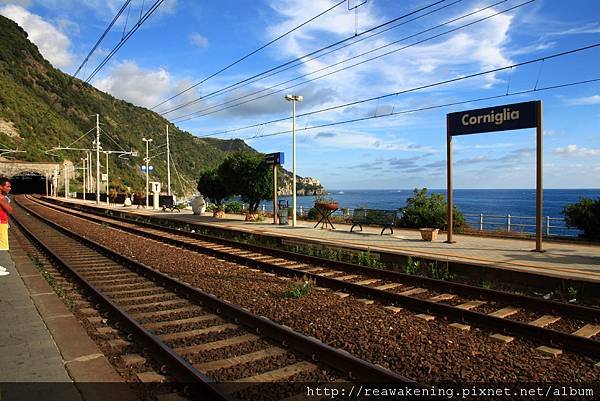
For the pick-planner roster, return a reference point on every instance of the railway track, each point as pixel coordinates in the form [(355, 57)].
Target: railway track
[(572, 327), (200, 339)]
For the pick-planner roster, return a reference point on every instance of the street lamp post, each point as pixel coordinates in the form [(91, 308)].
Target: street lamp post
[(293, 99), (147, 160)]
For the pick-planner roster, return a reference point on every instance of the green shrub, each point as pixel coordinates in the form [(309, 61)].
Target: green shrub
[(299, 288), (234, 207), (313, 214), (422, 211), (584, 215)]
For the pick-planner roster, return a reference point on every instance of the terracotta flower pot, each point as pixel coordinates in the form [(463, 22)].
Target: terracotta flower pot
[(429, 234), (251, 216), (327, 205), (219, 214)]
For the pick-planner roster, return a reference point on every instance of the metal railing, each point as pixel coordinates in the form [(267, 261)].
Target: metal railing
[(486, 222), (523, 224)]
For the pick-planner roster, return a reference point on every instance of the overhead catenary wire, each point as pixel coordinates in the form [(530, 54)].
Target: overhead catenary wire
[(124, 39), (307, 57), (418, 88), (206, 111), (81, 137), (116, 17), (481, 99), (249, 54), (108, 135)]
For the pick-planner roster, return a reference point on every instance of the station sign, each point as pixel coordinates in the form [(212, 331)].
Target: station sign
[(150, 168), (274, 158), (498, 118)]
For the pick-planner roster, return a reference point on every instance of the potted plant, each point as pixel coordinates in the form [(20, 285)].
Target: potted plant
[(428, 212), (219, 211), (429, 234), (325, 203)]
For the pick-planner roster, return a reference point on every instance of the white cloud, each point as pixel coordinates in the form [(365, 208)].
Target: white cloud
[(574, 150), (199, 40), (142, 87), (480, 46), (579, 30), (52, 43), (358, 140), (595, 99)]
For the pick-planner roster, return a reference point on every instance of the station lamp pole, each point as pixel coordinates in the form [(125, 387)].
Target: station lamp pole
[(293, 99), (147, 160)]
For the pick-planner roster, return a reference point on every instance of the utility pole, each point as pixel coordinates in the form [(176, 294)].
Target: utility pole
[(147, 166), (66, 179), (83, 173), (168, 165), (89, 171), (107, 200), (67, 189), (98, 160)]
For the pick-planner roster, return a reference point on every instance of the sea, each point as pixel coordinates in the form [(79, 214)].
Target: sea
[(518, 203)]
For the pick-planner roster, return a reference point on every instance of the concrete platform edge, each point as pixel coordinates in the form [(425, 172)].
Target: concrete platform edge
[(79, 352)]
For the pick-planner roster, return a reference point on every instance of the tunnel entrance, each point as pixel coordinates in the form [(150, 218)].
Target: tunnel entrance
[(28, 182)]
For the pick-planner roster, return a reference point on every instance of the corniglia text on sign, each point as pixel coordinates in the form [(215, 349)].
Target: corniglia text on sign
[(492, 117), (497, 118)]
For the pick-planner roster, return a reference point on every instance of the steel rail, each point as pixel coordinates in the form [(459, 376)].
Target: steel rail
[(540, 304), (357, 369), (182, 369), (568, 341)]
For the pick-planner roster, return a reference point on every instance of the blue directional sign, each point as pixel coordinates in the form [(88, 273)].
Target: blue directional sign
[(274, 158), (150, 168)]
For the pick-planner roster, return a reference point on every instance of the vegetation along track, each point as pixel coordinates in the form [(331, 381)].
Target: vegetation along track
[(177, 322), (572, 327)]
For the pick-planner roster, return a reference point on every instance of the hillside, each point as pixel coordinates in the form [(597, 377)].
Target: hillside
[(41, 107)]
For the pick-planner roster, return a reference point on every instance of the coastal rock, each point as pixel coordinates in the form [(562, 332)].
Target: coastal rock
[(305, 186)]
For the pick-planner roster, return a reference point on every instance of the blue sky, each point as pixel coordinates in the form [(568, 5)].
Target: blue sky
[(186, 41)]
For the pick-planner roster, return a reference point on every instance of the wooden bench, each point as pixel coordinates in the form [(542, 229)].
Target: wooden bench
[(167, 203), (378, 217)]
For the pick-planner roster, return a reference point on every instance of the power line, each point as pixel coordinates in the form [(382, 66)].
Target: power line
[(102, 36), (193, 115), (249, 54), (587, 81), (125, 38), (415, 89), (291, 63)]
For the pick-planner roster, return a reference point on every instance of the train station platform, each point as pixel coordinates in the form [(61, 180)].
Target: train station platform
[(44, 352), (577, 261)]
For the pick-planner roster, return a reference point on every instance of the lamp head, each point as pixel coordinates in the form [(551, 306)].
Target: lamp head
[(295, 98)]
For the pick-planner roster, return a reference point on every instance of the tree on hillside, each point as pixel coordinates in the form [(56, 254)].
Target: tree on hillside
[(213, 187), (248, 176)]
